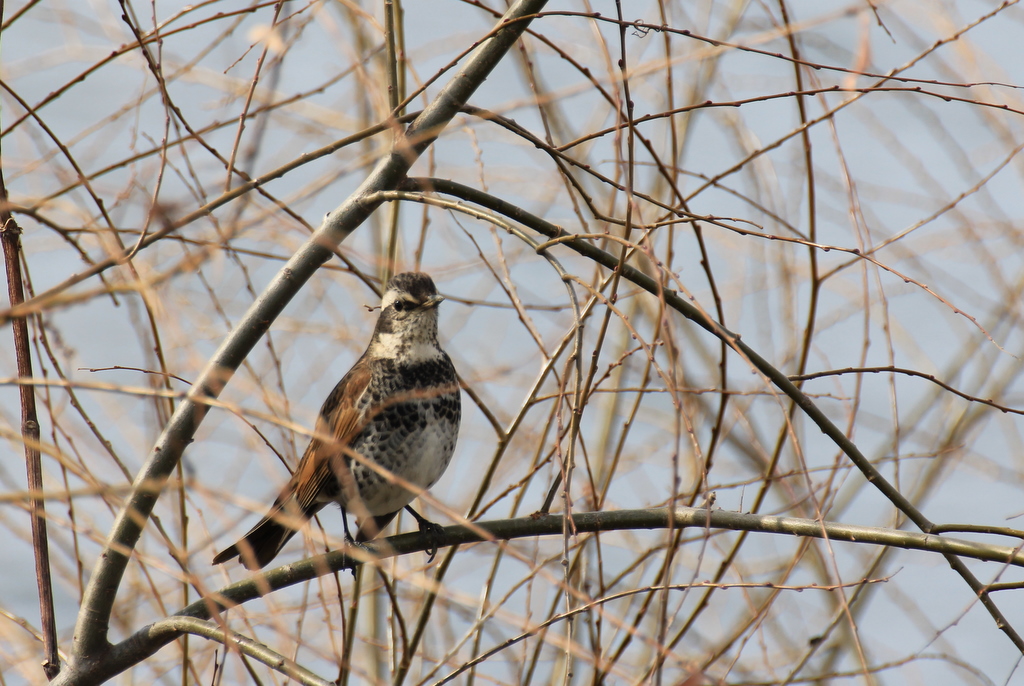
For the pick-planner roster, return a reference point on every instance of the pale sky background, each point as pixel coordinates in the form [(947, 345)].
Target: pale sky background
[(889, 163)]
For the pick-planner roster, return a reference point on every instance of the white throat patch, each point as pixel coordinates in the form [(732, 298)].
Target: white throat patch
[(393, 345)]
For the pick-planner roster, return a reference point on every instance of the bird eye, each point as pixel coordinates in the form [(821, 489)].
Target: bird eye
[(400, 305)]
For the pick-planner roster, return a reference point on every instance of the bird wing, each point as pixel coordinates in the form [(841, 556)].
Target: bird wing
[(340, 421), (338, 424)]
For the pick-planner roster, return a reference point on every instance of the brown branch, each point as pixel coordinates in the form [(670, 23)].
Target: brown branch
[(10, 236), (907, 372), (149, 639), (678, 301)]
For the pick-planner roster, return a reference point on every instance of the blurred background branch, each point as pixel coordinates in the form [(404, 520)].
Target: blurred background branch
[(831, 191)]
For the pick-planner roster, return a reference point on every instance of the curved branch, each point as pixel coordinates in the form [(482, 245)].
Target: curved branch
[(150, 639), (680, 303), (90, 640), (259, 585)]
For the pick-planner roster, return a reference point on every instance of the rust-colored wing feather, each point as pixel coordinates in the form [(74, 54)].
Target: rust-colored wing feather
[(339, 422)]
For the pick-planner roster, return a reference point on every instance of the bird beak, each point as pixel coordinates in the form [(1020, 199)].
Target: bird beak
[(432, 302)]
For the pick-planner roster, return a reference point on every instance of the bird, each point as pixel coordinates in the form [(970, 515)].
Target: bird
[(396, 413)]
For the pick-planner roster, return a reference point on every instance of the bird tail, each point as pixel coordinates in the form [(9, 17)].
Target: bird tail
[(264, 541)]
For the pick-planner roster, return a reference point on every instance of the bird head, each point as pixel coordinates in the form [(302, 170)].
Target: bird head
[(408, 315)]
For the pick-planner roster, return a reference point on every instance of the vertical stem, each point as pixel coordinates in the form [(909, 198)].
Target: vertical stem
[(396, 94), (10, 235)]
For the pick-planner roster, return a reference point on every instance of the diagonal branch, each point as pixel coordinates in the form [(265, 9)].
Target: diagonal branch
[(702, 319), (90, 639)]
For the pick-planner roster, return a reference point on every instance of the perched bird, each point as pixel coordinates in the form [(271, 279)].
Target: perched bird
[(398, 409)]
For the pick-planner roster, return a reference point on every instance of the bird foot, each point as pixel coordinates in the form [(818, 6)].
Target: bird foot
[(435, 532)]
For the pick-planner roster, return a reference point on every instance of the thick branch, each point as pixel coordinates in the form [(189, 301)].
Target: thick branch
[(259, 585), (150, 639), (90, 640), (701, 318)]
